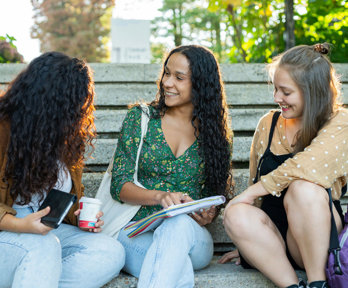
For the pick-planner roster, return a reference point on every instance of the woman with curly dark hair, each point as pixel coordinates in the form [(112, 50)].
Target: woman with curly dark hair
[(186, 155), (46, 124)]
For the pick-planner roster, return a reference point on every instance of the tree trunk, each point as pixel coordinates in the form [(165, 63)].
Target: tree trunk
[(237, 32), (216, 27), (289, 24)]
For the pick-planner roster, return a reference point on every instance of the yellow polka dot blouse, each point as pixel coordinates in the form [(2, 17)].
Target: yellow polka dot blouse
[(323, 162)]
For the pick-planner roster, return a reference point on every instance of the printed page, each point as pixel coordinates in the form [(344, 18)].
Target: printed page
[(154, 220)]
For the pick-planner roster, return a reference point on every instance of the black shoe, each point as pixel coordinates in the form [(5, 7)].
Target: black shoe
[(301, 284), (318, 284)]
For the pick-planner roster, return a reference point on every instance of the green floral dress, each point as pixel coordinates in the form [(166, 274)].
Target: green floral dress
[(158, 168)]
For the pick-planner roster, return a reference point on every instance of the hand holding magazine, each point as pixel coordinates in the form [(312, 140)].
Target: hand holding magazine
[(154, 220)]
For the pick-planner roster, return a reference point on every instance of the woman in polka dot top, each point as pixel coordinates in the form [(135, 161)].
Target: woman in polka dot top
[(297, 153)]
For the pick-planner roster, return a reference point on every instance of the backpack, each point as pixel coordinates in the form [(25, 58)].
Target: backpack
[(337, 265)]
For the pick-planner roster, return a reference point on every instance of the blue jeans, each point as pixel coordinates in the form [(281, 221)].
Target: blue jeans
[(168, 256), (65, 257)]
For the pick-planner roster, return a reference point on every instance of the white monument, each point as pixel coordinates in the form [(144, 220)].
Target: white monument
[(130, 41)]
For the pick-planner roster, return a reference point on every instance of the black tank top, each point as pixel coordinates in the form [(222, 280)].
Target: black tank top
[(273, 206)]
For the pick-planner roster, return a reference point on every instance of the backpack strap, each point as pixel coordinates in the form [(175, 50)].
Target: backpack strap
[(334, 242)]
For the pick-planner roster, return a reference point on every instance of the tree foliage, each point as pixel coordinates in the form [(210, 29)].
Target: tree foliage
[(172, 23), (257, 27), (325, 21), (186, 21), (158, 52), (254, 31), (8, 50), (207, 26), (79, 28)]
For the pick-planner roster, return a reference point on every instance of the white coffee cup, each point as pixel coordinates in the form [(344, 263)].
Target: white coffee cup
[(89, 209)]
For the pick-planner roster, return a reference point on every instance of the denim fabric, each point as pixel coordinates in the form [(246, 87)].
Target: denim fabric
[(168, 256), (65, 257)]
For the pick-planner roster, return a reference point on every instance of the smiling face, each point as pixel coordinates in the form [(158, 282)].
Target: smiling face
[(176, 81), (287, 95)]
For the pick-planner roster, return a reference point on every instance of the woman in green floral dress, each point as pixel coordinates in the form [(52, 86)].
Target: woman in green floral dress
[(185, 156)]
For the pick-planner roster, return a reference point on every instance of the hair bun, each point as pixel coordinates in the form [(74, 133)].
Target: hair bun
[(321, 48)]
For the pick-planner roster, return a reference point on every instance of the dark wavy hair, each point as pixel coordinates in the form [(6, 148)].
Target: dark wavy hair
[(310, 68), (49, 106), (210, 109)]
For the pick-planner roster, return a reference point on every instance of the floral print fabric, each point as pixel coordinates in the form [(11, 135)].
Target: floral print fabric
[(158, 168)]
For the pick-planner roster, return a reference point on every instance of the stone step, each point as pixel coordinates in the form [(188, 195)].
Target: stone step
[(215, 275)]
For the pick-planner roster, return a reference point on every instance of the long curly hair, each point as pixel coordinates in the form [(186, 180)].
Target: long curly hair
[(49, 106), (310, 68), (210, 109)]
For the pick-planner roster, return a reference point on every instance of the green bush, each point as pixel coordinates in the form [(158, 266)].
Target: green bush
[(8, 51)]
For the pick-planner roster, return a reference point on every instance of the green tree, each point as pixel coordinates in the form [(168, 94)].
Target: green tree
[(257, 28), (8, 50), (187, 22), (208, 27), (158, 51), (325, 21), (173, 21), (255, 31), (79, 28)]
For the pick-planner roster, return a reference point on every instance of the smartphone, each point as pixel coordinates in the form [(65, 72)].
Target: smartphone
[(60, 203)]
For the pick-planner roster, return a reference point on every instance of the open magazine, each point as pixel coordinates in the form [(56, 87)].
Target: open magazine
[(154, 220)]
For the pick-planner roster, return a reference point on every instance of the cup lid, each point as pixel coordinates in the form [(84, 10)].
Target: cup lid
[(90, 200)]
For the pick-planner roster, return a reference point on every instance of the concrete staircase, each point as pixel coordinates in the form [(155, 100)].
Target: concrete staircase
[(248, 96), (214, 276)]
